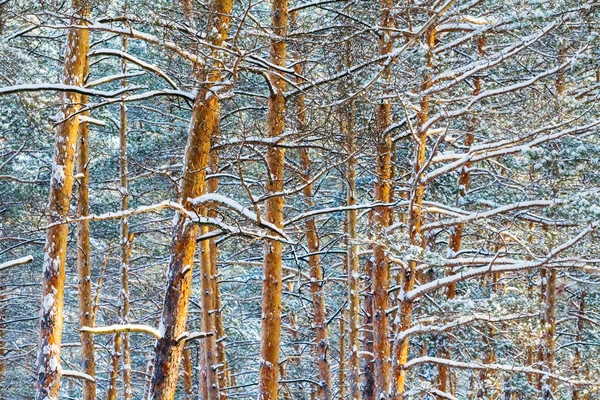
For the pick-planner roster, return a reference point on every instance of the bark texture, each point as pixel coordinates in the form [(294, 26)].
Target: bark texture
[(61, 186), (272, 284)]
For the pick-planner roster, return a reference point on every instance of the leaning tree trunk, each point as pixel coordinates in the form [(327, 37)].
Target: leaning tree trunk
[(61, 186), (271, 299), (204, 124)]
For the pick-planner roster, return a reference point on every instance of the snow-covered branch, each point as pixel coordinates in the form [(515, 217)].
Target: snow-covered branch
[(16, 262), (492, 367)]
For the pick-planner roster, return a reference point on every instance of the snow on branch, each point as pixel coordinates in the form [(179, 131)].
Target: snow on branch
[(17, 262), (423, 329), (140, 328), (523, 265), (77, 374), (500, 210), (117, 328), (492, 367), (470, 157), (59, 87), (136, 61), (238, 208)]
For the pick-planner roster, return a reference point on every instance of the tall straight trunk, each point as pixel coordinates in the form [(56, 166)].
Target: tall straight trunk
[(456, 235), (314, 260), (352, 257), (316, 288), (84, 285), (3, 319), (415, 219), (342, 363), (219, 328), (368, 369), (578, 339), (549, 343), (61, 186), (209, 382), (115, 355), (204, 124), (272, 284), (125, 236), (381, 219)]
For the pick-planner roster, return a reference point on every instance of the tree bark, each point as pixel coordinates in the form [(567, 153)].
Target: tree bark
[(61, 186), (381, 219), (86, 312), (204, 124), (272, 284)]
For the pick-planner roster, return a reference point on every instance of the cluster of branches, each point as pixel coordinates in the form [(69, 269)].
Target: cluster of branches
[(311, 199)]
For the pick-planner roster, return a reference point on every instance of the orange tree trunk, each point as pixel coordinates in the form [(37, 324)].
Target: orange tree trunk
[(271, 297), (204, 124), (314, 260), (219, 328), (61, 186), (86, 312), (381, 219), (188, 379)]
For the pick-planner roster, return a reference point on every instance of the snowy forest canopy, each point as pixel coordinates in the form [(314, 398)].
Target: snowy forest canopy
[(290, 199)]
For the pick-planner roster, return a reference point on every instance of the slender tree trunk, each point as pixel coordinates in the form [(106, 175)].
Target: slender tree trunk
[(219, 328), (353, 263), (578, 339), (114, 366), (368, 370), (314, 261), (61, 186), (126, 240), (381, 219), (3, 328), (272, 284), (342, 364), (204, 124), (86, 312), (415, 218)]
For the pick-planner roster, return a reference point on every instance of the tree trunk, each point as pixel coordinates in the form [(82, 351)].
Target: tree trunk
[(381, 219), (271, 301), (86, 312), (204, 124), (578, 339), (188, 378), (61, 186), (126, 240), (314, 261)]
